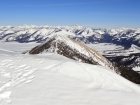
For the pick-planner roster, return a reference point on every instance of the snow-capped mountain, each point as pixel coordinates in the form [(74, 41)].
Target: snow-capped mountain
[(70, 48), (78, 51), (32, 33)]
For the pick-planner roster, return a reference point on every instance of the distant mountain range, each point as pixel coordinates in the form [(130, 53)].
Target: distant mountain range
[(126, 37), (30, 33)]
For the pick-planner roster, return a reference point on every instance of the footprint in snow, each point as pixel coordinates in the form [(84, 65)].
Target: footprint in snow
[(29, 79), (21, 66), (27, 67), (41, 62), (5, 96), (7, 75), (3, 64)]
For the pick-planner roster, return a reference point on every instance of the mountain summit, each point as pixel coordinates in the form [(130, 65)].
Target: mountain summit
[(66, 46), (70, 48)]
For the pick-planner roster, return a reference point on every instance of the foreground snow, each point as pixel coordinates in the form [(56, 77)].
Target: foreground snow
[(51, 79)]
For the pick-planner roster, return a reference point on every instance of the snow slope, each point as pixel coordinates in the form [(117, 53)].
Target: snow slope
[(52, 79)]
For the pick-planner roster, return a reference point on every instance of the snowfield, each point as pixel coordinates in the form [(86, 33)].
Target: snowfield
[(52, 79), (114, 50), (104, 47)]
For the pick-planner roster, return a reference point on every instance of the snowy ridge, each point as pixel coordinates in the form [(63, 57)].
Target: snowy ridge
[(59, 43), (66, 46), (134, 49), (53, 79)]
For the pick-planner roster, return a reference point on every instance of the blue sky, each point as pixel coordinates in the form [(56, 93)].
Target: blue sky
[(88, 13)]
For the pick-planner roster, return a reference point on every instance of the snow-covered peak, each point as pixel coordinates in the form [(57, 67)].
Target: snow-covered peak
[(87, 32), (77, 26), (70, 48), (62, 33), (134, 49), (27, 26)]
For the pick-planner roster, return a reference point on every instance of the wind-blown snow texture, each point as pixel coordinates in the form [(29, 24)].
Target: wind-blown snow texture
[(52, 79)]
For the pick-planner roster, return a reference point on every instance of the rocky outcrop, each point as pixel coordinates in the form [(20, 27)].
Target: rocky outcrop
[(72, 49), (78, 51)]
